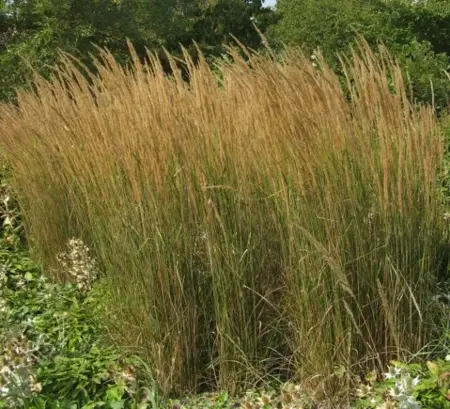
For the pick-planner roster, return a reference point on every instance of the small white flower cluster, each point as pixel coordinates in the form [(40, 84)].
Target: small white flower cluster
[(404, 387), (3, 306), (4, 203), (368, 220), (3, 280), (17, 379), (8, 211), (290, 396), (78, 263)]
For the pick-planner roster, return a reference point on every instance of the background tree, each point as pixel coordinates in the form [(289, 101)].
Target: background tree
[(416, 33), (32, 31)]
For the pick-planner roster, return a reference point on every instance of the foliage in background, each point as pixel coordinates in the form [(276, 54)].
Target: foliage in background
[(416, 33), (445, 174), (33, 31), (408, 386)]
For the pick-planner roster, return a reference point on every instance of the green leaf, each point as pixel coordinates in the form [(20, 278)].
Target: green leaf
[(90, 405), (28, 276), (114, 393), (432, 367), (117, 405), (39, 403), (427, 384)]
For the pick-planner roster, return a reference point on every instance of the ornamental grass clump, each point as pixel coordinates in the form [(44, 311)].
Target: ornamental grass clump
[(253, 221)]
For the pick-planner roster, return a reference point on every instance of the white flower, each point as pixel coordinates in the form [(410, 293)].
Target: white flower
[(394, 372), (407, 384), (3, 306), (37, 387), (7, 222), (5, 200), (363, 391), (396, 392), (409, 403), (4, 390), (403, 388), (78, 263), (5, 370), (388, 375)]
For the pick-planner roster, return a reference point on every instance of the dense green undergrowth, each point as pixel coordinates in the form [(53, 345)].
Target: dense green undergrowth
[(53, 349)]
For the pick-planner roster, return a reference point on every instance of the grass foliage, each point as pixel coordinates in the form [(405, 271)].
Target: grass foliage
[(254, 221)]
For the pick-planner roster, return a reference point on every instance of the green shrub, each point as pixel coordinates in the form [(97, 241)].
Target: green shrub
[(407, 386), (53, 351), (415, 32)]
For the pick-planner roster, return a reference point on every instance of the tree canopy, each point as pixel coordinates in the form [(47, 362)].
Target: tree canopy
[(33, 31), (416, 32)]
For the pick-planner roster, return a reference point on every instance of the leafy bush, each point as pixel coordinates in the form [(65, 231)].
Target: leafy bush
[(414, 31), (409, 386), (53, 353)]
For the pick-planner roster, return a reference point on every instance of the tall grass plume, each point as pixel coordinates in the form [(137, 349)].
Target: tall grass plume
[(253, 219)]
